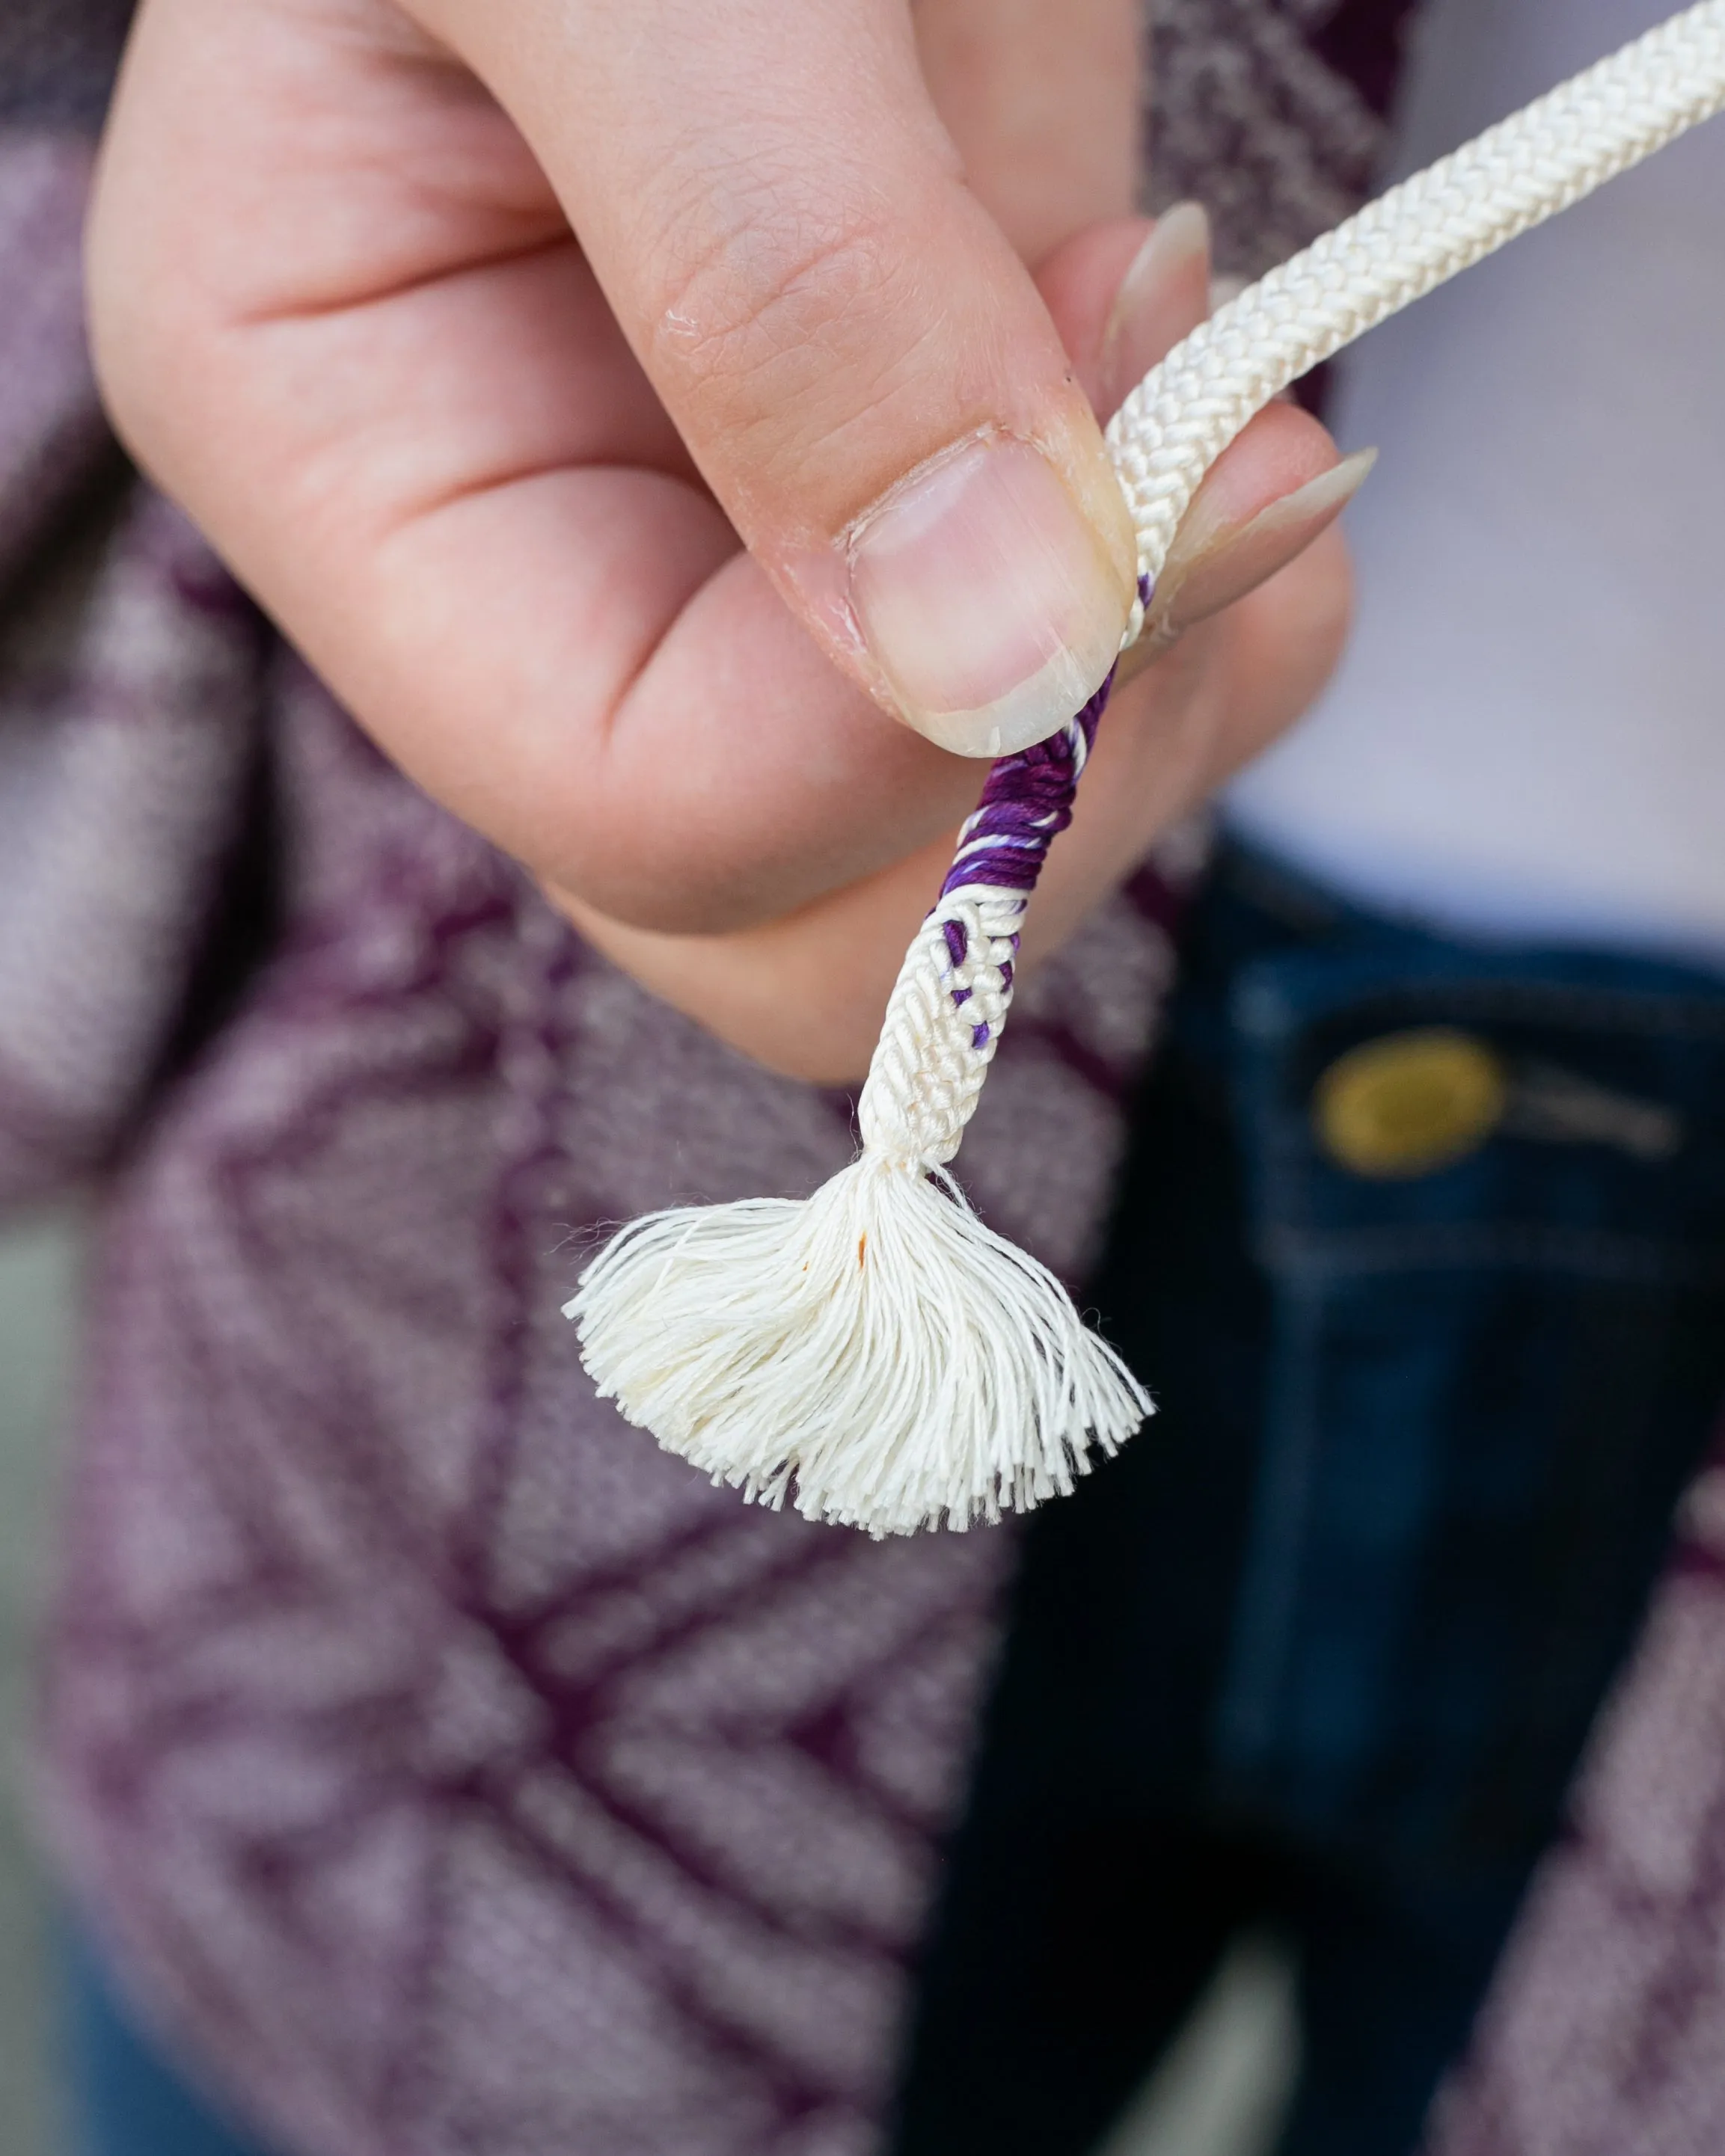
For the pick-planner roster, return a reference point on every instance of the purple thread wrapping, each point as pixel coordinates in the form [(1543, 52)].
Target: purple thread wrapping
[(1026, 800)]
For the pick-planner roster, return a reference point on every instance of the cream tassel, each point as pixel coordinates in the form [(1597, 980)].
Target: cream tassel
[(875, 1354)]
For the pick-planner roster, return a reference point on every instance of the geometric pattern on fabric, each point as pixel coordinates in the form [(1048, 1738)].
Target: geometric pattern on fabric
[(128, 670), (1604, 2030), (1272, 113), (450, 1768)]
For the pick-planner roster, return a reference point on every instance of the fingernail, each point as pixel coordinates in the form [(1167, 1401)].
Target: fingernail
[(986, 599), (1162, 297), (1211, 565)]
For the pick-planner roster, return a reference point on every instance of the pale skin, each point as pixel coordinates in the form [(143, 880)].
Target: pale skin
[(534, 363)]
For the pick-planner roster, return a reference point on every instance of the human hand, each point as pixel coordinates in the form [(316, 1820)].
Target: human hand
[(475, 337), (1251, 612)]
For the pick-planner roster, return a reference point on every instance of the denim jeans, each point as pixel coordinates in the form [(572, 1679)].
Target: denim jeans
[(1321, 1648), (126, 2098)]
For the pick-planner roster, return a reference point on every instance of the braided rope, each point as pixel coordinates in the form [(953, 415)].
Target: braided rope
[(944, 1015), (1184, 413), (943, 1023), (876, 1354)]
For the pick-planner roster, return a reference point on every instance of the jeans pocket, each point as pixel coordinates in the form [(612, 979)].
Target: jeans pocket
[(1497, 1349)]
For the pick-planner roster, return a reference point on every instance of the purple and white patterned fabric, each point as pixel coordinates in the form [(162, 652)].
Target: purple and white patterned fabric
[(448, 1768), (1605, 2032), (450, 1764), (444, 1765)]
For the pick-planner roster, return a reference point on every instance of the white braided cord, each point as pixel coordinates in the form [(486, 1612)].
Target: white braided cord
[(1186, 412), (927, 1075), (876, 1354)]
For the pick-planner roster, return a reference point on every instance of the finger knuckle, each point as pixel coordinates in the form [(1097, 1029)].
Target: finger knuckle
[(786, 304)]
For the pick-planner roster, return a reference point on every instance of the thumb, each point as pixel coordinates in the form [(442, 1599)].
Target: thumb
[(858, 362)]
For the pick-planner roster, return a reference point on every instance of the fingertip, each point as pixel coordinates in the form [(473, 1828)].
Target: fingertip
[(1227, 551), (987, 592), (1163, 296), (1078, 282), (1124, 292)]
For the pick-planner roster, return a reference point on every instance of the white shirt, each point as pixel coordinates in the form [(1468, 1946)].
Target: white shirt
[(1527, 735)]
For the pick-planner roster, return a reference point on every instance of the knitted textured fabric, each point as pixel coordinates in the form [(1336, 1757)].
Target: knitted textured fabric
[(447, 1767), (878, 1355), (442, 1765)]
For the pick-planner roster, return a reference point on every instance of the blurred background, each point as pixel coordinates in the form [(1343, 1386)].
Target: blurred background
[(1219, 2093), (39, 1262)]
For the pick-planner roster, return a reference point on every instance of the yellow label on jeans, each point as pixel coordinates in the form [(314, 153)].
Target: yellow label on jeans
[(1409, 1102)]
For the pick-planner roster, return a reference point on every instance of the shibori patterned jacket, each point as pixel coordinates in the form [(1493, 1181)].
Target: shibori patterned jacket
[(446, 1767)]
